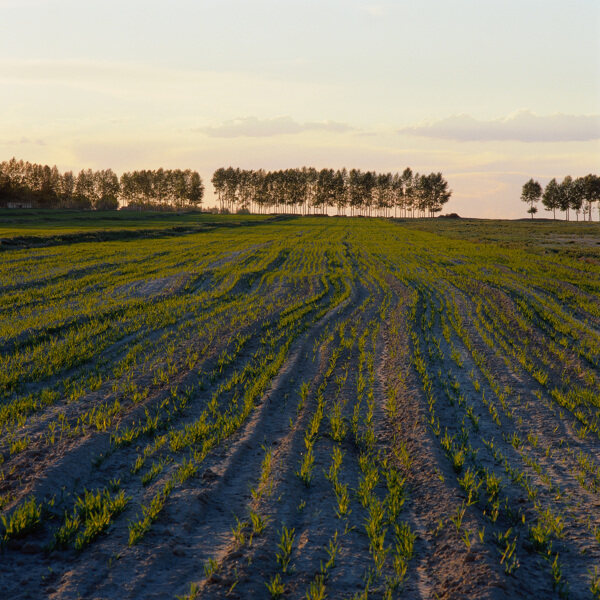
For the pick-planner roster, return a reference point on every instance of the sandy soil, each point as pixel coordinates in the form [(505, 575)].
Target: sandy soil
[(203, 541)]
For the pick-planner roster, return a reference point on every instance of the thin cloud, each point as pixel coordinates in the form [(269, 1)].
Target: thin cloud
[(522, 126), (254, 127), (23, 141)]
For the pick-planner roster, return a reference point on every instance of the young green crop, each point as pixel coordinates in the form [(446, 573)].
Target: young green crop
[(161, 352)]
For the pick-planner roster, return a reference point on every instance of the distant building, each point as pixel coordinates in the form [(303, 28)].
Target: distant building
[(20, 204)]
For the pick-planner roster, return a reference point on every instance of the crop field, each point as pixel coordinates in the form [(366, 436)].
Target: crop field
[(299, 408), (41, 227)]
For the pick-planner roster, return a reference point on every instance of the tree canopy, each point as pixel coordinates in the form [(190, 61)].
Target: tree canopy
[(46, 187), (309, 191), (578, 195), (531, 193)]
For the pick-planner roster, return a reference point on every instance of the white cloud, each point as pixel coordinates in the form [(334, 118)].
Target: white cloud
[(255, 127), (523, 126)]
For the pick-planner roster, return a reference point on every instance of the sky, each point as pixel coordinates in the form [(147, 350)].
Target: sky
[(488, 92)]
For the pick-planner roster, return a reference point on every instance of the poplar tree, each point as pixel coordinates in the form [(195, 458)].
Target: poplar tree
[(531, 193), (551, 198)]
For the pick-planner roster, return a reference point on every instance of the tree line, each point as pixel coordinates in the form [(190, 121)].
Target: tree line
[(309, 191), (46, 187), (577, 195), (305, 190)]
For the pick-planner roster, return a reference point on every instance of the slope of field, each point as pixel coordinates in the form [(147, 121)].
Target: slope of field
[(307, 408), (28, 228)]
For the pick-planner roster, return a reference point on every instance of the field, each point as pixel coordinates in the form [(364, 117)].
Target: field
[(208, 406)]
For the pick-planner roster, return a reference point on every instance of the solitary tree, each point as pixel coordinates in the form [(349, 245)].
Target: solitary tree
[(532, 192)]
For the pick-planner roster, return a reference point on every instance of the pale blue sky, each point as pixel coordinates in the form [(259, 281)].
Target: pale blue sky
[(374, 85)]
